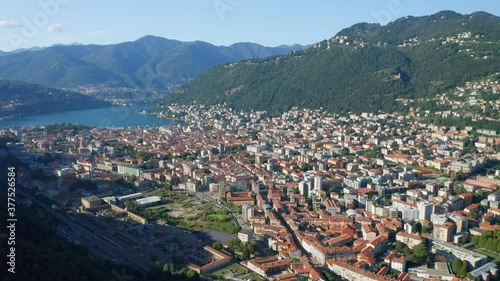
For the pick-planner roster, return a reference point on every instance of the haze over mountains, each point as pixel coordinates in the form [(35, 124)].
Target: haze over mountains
[(147, 63), (366, 67), (21, 98)]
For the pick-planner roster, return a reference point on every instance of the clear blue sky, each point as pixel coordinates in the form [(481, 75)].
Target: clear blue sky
[(25, 23)]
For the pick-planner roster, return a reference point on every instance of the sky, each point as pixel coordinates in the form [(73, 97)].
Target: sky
[(29, 23)]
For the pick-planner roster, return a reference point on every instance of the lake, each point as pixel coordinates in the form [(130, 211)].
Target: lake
[(113, 116)]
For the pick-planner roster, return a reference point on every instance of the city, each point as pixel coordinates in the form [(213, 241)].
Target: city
[(317, 195), (232, 140)]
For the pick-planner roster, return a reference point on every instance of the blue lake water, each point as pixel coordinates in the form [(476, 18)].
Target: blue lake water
[(113, 116)]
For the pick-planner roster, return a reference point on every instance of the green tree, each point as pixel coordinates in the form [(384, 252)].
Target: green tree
[(459, 190), (420, 253), (329, 276), (463, 270), (245, 255), (132, 178), (148, 166), (426, 229), (192, 275), (83, 184), (491, 244), (463, 239), (394, 145), (395, 273), (475, 241), (217, 246), (400, 246), (306, 167), (456, 266), (251, 247), (482, 240), (460, 176), (407, 251)]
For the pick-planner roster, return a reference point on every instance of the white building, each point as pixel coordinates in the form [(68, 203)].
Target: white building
[(425, 210), (410, 214), (304, 188), (451, 252), (318, 182), (247, 211), (148, 201)]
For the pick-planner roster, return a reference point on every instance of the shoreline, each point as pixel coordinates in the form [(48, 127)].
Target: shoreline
[(160, 116), (112, 115)]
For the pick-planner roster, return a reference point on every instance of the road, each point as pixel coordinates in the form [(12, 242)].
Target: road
[(219, 236), (241, 221)]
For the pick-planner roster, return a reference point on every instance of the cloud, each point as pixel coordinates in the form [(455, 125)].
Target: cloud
[(10, 24), (56, 27), (99, 32)]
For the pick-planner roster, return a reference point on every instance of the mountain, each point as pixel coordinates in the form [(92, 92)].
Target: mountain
[(366, 67), (21, 98), (35, 48), (147, 63)]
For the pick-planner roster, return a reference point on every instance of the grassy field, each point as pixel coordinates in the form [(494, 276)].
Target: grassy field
[(218, 217), (189, 213), (235, 271)]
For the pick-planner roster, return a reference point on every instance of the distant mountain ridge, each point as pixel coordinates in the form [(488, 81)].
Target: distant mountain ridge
[(148, 63), (366, 67), (21, 98)]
